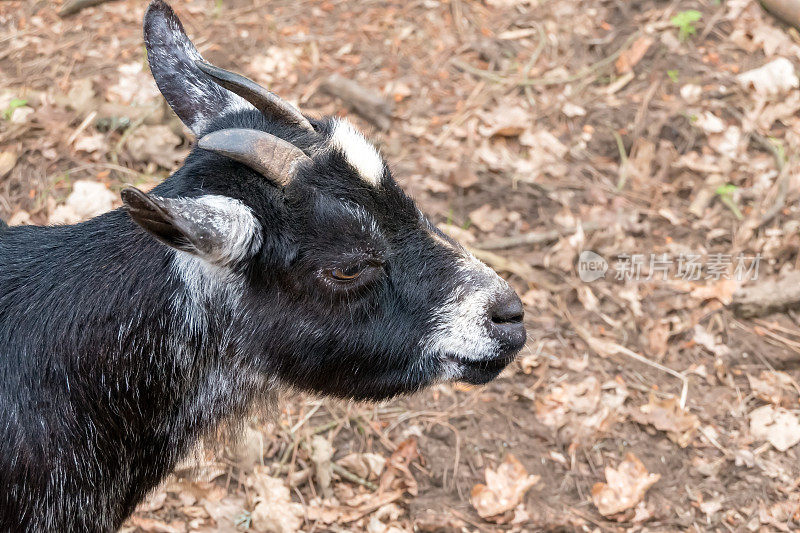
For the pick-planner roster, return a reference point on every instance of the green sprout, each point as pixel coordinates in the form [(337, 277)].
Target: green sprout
[(673, 75), (12, 105), (725, 193), (684, 21)]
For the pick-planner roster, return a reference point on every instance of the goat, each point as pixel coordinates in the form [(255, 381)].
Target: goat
[(281, 254)]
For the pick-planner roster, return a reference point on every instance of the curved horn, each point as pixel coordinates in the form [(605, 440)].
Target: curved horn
[(268, 155), (265, 101)]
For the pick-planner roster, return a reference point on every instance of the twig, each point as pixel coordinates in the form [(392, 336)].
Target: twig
[(466, 67), (780, 164), (74, 6), (623, 160), (767, 296), (305, 418), (82, 126), (606, 348), (787, 11), (584, 71), (535, 237), (529, 82), (127, 133), (349, 476), (364, 101)]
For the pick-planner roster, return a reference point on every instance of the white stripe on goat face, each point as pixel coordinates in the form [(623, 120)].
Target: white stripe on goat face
[(358, 152), (463, 322)]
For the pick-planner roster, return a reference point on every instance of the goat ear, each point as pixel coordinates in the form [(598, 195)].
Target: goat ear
[(218, 229), (193, 96)]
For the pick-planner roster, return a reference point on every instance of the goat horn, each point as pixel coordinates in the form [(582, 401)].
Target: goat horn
[(265, 101), (268, 155)]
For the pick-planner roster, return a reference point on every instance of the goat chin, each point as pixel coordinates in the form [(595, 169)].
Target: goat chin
[(281, 255)]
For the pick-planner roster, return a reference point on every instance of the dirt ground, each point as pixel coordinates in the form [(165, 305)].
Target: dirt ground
[(647, 400)]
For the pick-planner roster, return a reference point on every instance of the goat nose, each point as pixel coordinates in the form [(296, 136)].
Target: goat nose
[(507, 310)]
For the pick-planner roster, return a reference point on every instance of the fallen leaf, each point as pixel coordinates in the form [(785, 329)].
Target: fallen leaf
[(722, 290), (249, 448), (710, 123), (770, 386), (223, 510), (706, 340), (505, 121), (274, 510), (397, 468), (776, 77), (134, 86), (87, 199), (276, 63), (503, 490), (321, 454), (158, 144), (91, 142), (153, 502), (667, 415), (156, 526), (19, 218), (458, 233), (625, 486), (8, 161), (573, 110), (776, 425), (364, 465), (486, 217), (630, 57)]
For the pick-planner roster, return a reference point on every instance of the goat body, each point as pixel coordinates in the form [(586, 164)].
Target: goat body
[(282, 253)]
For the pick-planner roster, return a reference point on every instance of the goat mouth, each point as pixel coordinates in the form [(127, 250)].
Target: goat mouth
[(480, 371)]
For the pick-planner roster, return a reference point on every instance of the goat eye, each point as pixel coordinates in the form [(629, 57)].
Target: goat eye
[(349, 272)]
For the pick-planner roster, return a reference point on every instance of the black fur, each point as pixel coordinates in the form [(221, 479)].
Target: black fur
[(114, 361)]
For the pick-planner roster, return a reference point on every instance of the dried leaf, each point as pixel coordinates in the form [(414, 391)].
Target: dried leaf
[(721, 290), (505, 121), (779, 427), (134, 85), (91, 143), (274, 511), (88, 199), (158, 144), (321, 454), (625, 486), (667, 415), (458, 233), (776, 77), (486, 217), (364, 465), (156, 526), (770, 386), (630, 57), (8, 161), (397, 468), (585, 407), (503, 491), (249, 448)]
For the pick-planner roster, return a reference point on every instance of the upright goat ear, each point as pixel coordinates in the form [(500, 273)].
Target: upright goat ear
[(216, 228), (193, 96)]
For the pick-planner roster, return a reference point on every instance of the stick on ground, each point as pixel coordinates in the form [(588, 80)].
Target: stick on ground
[(768, 296), (73, 6)]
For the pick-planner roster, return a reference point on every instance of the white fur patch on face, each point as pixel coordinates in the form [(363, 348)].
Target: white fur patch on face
[(462, 322), (359, 152)]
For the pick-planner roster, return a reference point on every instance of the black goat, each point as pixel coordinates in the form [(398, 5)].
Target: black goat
[(281, 253)]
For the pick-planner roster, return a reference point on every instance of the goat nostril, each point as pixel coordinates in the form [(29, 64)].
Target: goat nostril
[(508, 310)]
